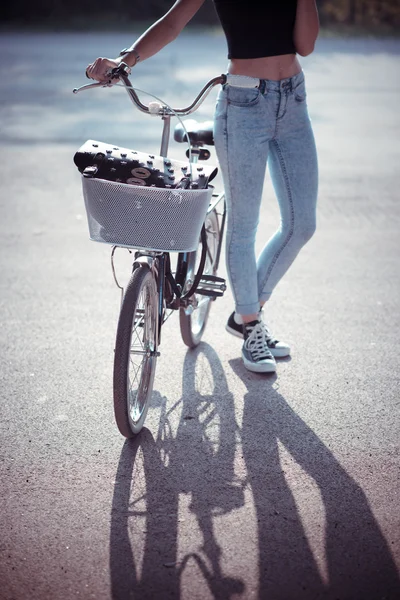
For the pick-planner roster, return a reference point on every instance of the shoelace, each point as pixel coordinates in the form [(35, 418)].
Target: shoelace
[(270, 338), (256, 343)]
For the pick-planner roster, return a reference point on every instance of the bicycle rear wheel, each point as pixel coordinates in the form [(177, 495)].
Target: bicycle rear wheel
[(136, 352), (193, 324)]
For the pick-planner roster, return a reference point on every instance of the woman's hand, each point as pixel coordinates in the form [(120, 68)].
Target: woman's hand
[(100, 68)]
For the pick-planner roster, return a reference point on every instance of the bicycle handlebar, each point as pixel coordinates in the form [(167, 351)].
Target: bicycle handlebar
[(122, 73)]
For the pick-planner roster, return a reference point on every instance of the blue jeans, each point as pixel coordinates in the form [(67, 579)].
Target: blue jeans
[(255, 127)]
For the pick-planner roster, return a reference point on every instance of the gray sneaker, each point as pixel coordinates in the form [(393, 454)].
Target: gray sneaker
[(256, 355), (278, 349)]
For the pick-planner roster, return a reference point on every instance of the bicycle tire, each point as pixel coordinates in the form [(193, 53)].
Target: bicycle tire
[(135, 352), (193, 325)]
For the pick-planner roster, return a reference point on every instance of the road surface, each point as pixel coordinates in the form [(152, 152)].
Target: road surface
[(281, 487)]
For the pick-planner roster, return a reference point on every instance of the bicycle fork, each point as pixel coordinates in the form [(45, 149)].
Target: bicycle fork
[(156, 264)]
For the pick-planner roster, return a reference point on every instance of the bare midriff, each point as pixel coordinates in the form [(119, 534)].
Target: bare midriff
[(269, 67)]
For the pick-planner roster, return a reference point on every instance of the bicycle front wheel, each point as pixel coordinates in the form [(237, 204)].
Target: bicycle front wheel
[(136, 352), (193, 324)]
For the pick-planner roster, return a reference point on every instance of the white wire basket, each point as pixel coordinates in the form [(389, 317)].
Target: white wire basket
[(146, 218)]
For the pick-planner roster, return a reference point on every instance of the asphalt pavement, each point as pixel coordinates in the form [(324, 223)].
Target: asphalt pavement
[(282, 487)]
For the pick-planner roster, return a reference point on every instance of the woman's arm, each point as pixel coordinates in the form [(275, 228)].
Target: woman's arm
[(161, 33), (306, 26)]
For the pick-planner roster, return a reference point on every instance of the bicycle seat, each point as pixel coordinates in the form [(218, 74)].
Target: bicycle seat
[(200, 134)]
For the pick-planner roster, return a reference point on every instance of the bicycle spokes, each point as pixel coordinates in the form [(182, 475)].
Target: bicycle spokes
[(141, 353)]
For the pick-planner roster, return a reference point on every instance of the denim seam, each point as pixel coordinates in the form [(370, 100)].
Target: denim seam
[(286, 97), (291, 230), (231, 270), (276, 118)]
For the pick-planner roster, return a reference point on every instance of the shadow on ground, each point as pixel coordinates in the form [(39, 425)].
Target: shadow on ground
[(199, 460)]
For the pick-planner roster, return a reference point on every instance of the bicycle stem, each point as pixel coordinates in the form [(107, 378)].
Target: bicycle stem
[(165, 135)]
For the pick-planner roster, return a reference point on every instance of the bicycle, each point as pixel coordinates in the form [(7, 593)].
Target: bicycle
[(154, 291)]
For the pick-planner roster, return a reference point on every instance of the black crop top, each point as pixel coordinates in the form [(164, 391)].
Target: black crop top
[(256, 29)]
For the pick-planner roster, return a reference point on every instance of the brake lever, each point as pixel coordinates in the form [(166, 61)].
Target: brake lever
[(122, 69), (92, 85)]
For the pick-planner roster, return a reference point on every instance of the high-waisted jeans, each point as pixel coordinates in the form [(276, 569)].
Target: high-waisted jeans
[(255, 127)]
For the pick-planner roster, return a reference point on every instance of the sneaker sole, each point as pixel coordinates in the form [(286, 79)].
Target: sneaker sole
[(276, 352), (279, 352), (259, 368), (237, 334)]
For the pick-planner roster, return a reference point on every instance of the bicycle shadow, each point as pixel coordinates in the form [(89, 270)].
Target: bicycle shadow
[(359, 563), (152, 475)]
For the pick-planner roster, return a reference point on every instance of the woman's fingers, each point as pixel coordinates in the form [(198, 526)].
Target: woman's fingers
[(99, 69), (96, 70)]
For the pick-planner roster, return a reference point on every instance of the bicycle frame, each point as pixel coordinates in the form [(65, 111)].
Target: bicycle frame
[(160, 264)]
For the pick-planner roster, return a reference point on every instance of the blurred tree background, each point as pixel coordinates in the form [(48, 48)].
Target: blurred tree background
[(84, 13), (361, 12)]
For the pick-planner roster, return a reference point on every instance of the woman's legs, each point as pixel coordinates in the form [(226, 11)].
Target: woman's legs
[(241, 139), (293, 167), (251, 127), (249, 130)]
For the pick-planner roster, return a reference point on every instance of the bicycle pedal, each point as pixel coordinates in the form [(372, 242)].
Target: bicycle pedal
[(213, 286), (213, 279), (211, 293)]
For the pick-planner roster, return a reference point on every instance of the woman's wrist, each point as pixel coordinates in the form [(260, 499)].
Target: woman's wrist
[(130, 56)]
